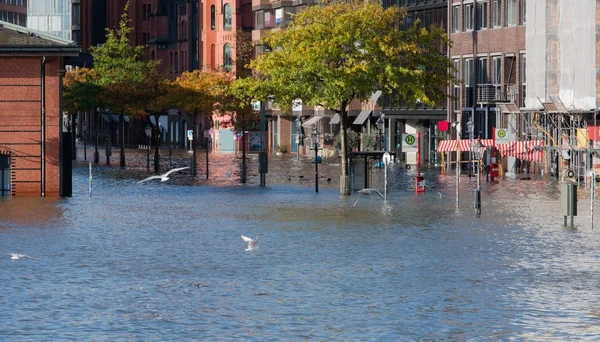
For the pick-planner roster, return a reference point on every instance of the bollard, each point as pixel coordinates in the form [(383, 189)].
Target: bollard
[(569, 201)]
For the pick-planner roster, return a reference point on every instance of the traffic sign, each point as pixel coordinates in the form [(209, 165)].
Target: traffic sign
[(386, 158), (190, 134), (409, 142), (501, 135)]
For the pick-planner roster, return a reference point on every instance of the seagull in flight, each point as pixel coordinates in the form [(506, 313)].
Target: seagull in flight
[(165, 176), (252, 244), (15, 256), (367, 191)]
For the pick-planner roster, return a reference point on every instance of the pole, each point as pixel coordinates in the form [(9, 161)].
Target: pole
[(385, 164), (593, 188), (478, 192), (298, 146), (457, 171), (90, 185), (148, 154), (96, 153), (262, 164), (207, 148), (316, 167), (419, 154), (84, 146)]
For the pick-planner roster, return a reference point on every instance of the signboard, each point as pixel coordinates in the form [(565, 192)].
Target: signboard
[(386, 158), (410, 142), (501, 135), (190, 134)]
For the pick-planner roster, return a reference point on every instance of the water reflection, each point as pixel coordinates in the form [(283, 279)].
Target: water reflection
[(165, 261)]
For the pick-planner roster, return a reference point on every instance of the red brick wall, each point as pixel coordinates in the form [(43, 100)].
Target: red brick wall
[(20, 122)]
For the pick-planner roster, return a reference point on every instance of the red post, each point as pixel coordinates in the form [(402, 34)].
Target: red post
[(419, 180), (494, 163)]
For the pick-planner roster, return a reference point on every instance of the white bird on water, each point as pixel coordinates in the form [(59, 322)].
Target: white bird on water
[(367, 191), (252, 244), (165, 176), (15, 256)]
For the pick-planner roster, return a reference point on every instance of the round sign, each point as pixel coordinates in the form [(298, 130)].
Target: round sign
[(410, 139), (386, 158), (501, 133)]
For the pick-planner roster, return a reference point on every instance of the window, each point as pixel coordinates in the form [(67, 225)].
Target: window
[(213, 17), (227, 56), (259, 19), (496, 70), (469, 16), (523, 15), (279, 17), (511, 12), (227, 17), (482, 76), (496, 13), (468, 72), (456, 18), (456, 90), (482, 12)]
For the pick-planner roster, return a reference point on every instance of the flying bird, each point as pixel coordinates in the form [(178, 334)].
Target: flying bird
[(165, 176), (15, 256), (252, 244), (367, 191)]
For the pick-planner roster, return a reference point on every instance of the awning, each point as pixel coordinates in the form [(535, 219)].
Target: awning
[(335, 119), (312, 121), (526, 150), (362, 117)]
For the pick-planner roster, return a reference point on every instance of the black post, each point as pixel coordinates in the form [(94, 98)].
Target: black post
[(84, 146), (262, 159), (96, 153), (208, 143), (316, 167), (147, 154), (170, 153), (108, 150)]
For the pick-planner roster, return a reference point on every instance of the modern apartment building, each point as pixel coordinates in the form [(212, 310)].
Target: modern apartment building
[(14, 11)]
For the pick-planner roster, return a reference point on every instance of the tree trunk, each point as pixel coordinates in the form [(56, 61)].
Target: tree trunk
[(122, 138), (244, 172), (194, 161), (345, 187), (156, 145)]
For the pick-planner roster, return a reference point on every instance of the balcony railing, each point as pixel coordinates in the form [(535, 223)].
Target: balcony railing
[(492, 93)]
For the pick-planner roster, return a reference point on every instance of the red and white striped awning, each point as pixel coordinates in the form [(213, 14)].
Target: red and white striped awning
[(525, 150)]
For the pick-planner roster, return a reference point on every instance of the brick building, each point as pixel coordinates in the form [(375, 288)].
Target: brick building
[(31, 67), (488, 54)]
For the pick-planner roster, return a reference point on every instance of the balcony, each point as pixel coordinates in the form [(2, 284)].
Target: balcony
[(492, 93)]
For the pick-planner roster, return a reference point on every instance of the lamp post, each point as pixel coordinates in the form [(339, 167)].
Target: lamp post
[(315, 138), (379, 124), (148, 131), (298, 136), (478, 155), (470, 129)]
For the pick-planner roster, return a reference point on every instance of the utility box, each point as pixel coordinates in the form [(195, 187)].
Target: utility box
[(568, 198)]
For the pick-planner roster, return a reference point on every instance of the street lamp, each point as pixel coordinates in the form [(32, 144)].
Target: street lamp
[(470, 129), (315, 138), (298, 135), (148, 131), (478, 149), (379, 124)]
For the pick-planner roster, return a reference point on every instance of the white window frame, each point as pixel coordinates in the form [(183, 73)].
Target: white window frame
[(496, 72), (469, 11), (456, 27), (496, 13), (511, 12), (482, 15)]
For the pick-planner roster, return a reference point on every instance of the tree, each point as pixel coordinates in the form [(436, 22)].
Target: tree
[(201, 92), (121, 73), (81, 93), (158, 95), (333, 54)]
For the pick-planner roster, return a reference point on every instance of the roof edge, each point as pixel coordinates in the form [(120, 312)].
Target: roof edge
[(41, 34)]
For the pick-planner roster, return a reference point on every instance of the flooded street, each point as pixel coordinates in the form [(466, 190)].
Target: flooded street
[(165, 261)]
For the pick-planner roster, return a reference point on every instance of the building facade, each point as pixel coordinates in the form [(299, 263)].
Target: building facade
[(489, 57), (31, 154), (14, 11)]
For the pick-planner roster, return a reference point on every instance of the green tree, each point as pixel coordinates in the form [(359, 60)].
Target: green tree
[(158, 95), (201, 92), (333, 54), (121, 73)]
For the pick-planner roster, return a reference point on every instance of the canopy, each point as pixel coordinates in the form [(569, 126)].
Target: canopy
[(519, 149)]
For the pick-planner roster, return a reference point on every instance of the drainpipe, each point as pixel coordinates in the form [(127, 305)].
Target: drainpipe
[(43, 128)]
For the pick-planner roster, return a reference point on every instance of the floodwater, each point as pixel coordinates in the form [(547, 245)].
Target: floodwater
[(165, 261)]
